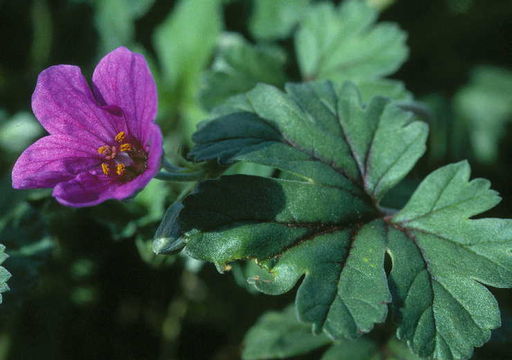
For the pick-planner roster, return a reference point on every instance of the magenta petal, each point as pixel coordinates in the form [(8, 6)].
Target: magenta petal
[(64, 104), (90, 189), (123, 79), (86, 189), (50, 160)]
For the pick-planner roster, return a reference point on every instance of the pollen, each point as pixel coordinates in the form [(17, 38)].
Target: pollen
[(126, 147), (120, 137), (120, 169), (105, 168), (104, 150)]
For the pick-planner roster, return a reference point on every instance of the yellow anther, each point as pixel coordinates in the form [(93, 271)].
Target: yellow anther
[(126, 147), (120, 136), (120, 169), (105, 168), (104, 150)]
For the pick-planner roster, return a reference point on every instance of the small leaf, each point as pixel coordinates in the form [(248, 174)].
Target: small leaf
[(275, 19), (238, 67), (166, 239), (4, 274), (345, 44), (279, 335), (486, 106)]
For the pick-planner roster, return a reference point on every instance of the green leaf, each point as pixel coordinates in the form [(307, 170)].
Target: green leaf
[(324, 226), (24, 234), (340, 150), (319, 131), (279, 335), (18, 132), (4, 274), (486, 105), (118, 30), (238, 67), (184, 43), (384, 87), (360, 349), (346, 44), (368, 349), (275, 19), (441, 258)]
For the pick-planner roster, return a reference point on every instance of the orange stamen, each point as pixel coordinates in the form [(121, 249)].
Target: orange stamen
[(120, 136), (126, 147), (104, 150), (105, 168), (120, 169)]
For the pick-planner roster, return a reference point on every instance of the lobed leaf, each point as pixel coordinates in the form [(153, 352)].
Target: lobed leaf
[(346, 44), (319, 131), (322, 225), (441, 259)]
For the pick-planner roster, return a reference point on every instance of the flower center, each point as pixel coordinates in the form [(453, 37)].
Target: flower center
[(124, 160)]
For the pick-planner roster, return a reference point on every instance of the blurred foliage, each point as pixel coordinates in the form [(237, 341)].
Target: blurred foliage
[(485, 106), (85, 283), (279, 335)]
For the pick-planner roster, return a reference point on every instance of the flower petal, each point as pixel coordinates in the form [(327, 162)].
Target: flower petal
[(86, 189), (50, 160), (90, 188), (123, 79), (64, 104)]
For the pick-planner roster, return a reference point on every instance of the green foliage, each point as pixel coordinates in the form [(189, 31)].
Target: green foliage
[(275, 19), (441, 259), (279, 335), (184, 43), (238, 67), (486, 106), (119, 29), (346, 44), (366, 349), (18, 131), (324, 223), (24, 234), (4, 274)]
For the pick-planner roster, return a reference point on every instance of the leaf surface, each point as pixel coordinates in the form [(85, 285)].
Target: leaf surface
[(275, 19), (322, 226), (238, 67), (4, 274), (441, 258), (344, 43), (279, 335)]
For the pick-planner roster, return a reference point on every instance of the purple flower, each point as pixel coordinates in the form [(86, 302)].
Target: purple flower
[(103, 143)]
